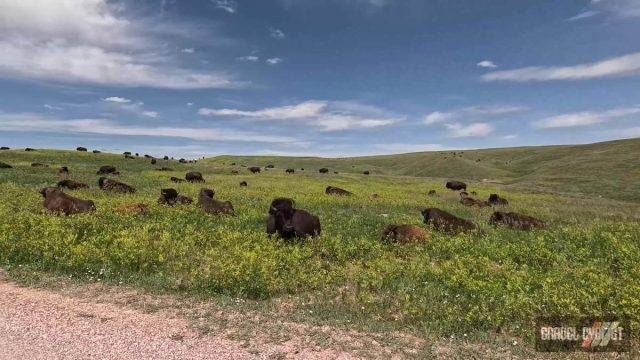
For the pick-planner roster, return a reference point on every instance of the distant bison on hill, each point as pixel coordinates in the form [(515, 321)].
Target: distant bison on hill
[(366, 172), (71, 184), (442, 220), (80, 148), (331, 190), (4, 148), (106, 169), (323, 171), (153, 161), (29, 149), (404, 233), (456, 185), (5, 165), (290, 171), (213, 206), (127, 153), (516, 221), (115, 186), (165, 158), (55, 200), (96, 151), (270, 166), (289, 223), (194, 177), (495, 199), (254, 169)]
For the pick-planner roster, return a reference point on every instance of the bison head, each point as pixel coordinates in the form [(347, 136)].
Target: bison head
[(207, 193), (169, 193)]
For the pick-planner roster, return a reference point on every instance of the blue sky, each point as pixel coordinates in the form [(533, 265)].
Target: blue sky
[(316, 77)]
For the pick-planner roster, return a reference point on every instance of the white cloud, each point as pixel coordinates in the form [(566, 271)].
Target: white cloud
[(623, 9), (52, 107), (584, 15), (276, 33), (37, 123), (274, 61), (117, 99), (437, 117), (90, 42), (472, 112), (151, 114), (328, 116), (618, 66), (189, 104), (188, 50), (251, 58), (585, 118), (472, 130), (229, 6), (487, 64), (398, 148)]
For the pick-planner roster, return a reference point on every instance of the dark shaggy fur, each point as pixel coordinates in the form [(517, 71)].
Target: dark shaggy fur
[(55, 200), (289, 222), (442, 220)]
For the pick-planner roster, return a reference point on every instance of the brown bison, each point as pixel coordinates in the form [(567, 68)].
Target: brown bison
[(165, 158), (55, 200), (331, 190), (289, 222), (516, 221), (290, 171), (366, 172), (495, 199), (442, 220), (456, 185), (270, 166), (432, 193), (235, 172), (40, 165), (139, 209), (182, 161), (177, 180), (153, 161), (171, 197), (194, 177), (243, 183), (164, 168), (5, 165), (254, 169), (96, 151), (5, 148), (404, 233), (127, 153), (129, 156), (71, 184), (80, 148), (213, 206), (64, 170), (106, 169), (115, 186), (29, 149), (469, 201), (323, 171)]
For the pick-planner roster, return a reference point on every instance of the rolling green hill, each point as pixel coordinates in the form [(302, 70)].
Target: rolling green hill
[(608, 169)]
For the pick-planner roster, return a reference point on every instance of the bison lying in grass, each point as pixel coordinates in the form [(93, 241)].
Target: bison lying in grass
[(55, 200), (289, 223), (404, 234), (332, 190), (213, 206), (456, 185), (171, 197), (71, 184), (516, 221), (443, 221), (106, 169), (115, 186)]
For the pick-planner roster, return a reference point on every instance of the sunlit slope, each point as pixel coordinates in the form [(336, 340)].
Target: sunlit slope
[(609, 169)]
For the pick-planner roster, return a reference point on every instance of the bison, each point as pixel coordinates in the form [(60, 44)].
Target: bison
[(29, 149), (254, 169), (404, 233), (442, 220), (182, 161), (129, 156), (289, 222), (106, 169), (456, 185), (194, 177), (243, 183), (323, 171), (4, 148), (165, 158), (331, 190), (64, 170), (469, 201), (55, 200), (366, 172), (115, 186), (213, 206), (139, 209), (80, 148), (171, 197), (71, 184), (40, 165), (270, 166), (432, 193), (290, 171), (153, 161), (177, 180), (516, 221), (96, 151), (235, 172), (127, 153), (495, 199), (5, 165)]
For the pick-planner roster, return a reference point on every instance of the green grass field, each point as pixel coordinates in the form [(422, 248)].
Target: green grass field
[(585, 263)]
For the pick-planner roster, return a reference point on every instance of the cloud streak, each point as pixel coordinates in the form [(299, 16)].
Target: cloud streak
[(585, 118), (626, 65)]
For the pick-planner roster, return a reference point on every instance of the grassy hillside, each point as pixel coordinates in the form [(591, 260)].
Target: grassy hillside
[(609, 169), (497, 280)]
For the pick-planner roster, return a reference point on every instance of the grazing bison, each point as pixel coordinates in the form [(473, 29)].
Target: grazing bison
[(270, 166), (404, 233), (213, 206), (254, 169), (29, 149), (516, 221), (71, 184), (182, 161), (171, 197), (366, 172), (107, 169), (127, 153), (139, 209), (194, 177), (323, 171), (289, 222), (243, 183), (4, 148), (96, 151), (5, 165), (55, 200), (495, 199), (290, 171), (153, 161), (432, 193), (177, 180), (331, 190), (446, 222), (165, 157), (115, 186), (80, 148), (456, 185)]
